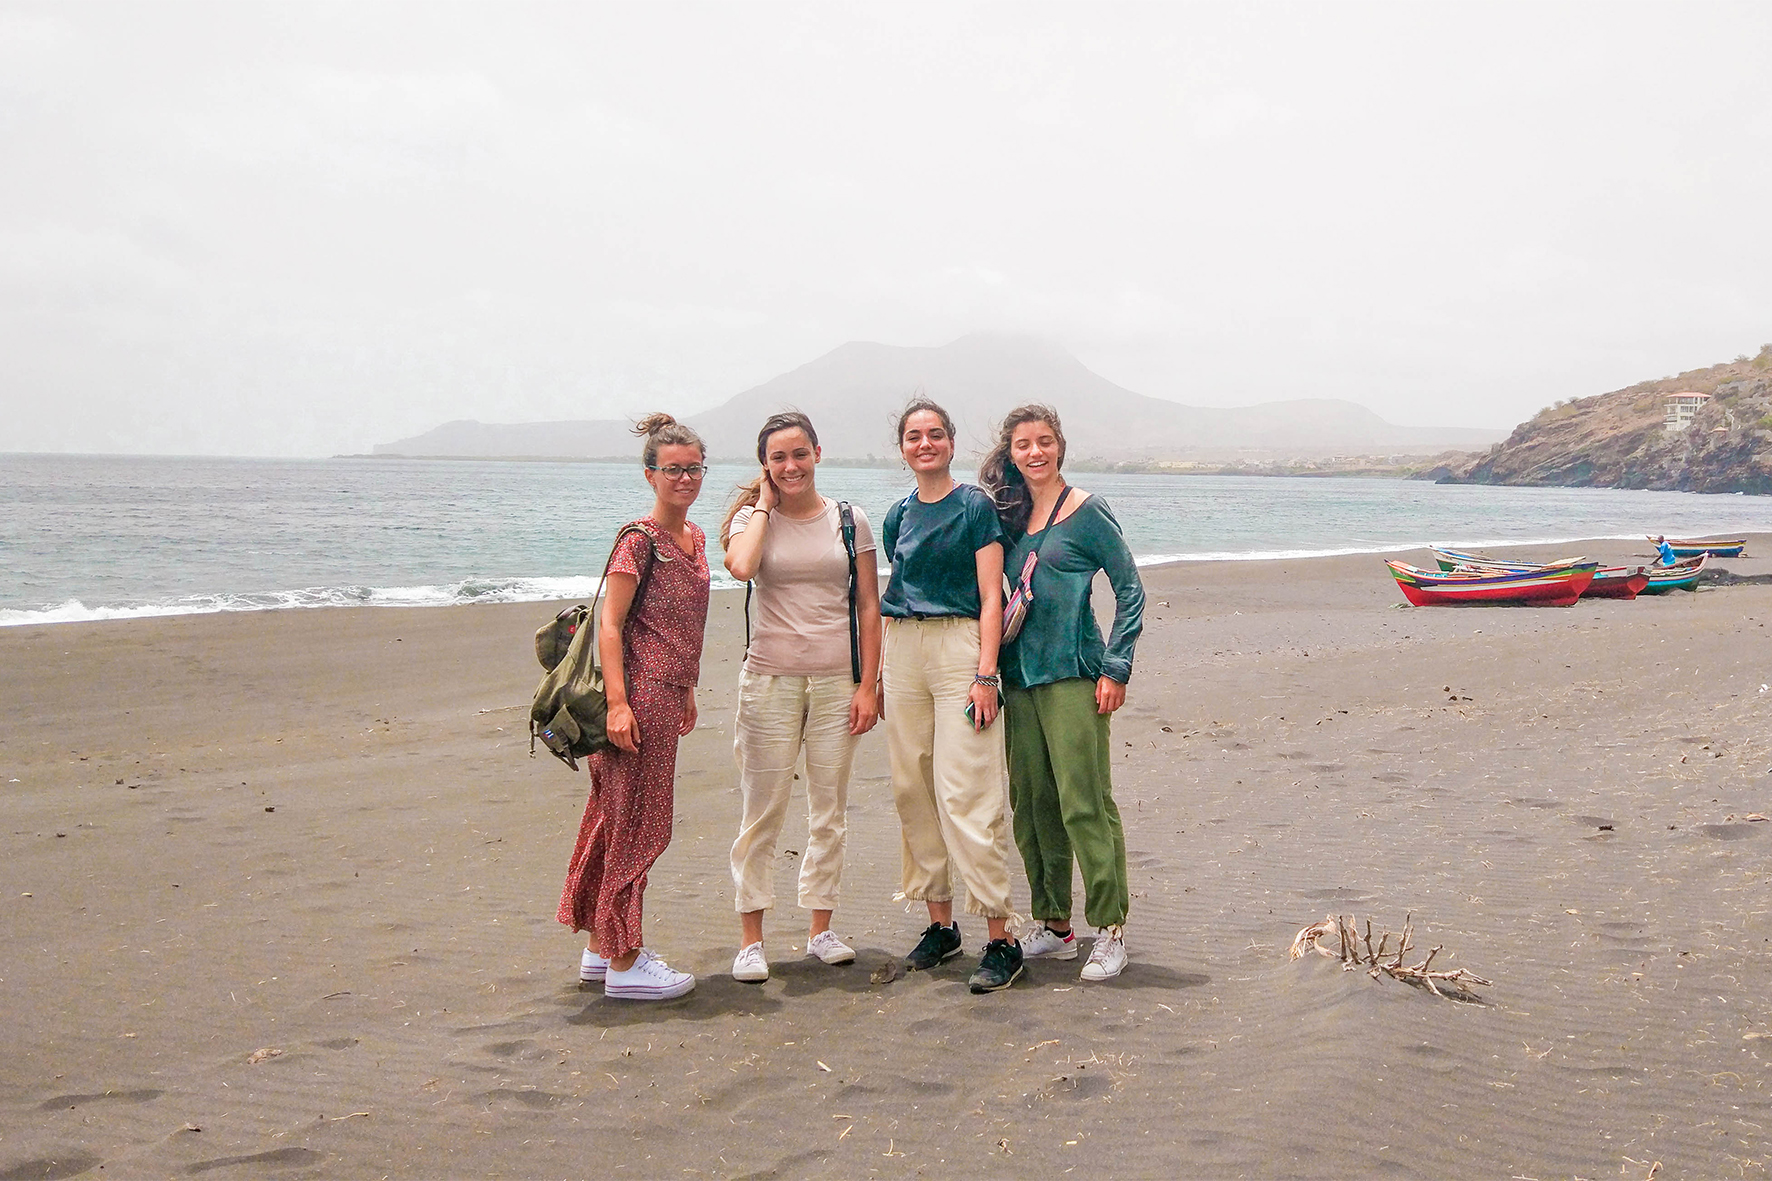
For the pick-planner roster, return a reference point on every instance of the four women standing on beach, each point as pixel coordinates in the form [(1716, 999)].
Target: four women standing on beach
[(809, 680), (809, 684), (1062, 683), (649, 645)]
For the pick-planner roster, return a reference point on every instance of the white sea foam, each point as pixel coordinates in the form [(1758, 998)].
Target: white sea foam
[(469, 590)]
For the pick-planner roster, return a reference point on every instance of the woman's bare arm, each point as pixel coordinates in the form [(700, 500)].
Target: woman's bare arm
[(618, 598), (985, 699)]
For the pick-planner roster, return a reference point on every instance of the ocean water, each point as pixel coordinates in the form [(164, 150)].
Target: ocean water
[(106, 537)]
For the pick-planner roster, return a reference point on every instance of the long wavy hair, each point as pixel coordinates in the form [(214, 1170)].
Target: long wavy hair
[(750, 491), (661, 430), (999, 476)]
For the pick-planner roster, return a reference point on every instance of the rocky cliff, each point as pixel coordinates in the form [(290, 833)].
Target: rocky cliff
[(1618, 440)]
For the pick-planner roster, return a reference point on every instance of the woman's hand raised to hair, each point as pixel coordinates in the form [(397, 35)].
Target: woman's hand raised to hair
[(767, 495)]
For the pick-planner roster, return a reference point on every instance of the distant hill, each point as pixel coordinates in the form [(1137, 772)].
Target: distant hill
[(853, 393), (1617, 440)]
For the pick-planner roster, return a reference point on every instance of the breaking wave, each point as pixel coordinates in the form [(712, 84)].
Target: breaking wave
[(468, 590)]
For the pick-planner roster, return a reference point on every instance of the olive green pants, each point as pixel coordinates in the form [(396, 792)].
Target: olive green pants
[(1063, 800)]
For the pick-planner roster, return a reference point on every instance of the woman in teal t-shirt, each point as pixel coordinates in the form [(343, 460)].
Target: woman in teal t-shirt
[(944, 621), (1061, 683)]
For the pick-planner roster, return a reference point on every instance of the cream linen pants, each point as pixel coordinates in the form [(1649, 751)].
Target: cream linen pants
[(777, 718), (950, 782)]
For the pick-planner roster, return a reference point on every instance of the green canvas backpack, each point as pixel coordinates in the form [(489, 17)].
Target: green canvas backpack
[(570, 708)]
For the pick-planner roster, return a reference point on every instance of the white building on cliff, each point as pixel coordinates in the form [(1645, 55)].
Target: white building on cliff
[(1678, 410)]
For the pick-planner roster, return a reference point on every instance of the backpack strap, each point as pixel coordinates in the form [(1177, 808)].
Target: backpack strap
[(653, 558), (846, 517), (645, 573)]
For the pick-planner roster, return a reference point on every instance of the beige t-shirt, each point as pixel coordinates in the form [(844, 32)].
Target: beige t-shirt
[(800, 614)]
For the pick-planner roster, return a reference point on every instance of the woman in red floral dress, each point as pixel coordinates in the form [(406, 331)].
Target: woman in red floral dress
[(651, 656)]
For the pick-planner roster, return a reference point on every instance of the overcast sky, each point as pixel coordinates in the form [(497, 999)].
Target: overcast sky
[(305, 228)]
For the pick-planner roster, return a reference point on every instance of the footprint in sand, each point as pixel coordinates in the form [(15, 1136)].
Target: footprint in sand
[(534, 1100), (1339, 894), (64, 1101), (280, 1156), (52, 1168), (1730, 832)]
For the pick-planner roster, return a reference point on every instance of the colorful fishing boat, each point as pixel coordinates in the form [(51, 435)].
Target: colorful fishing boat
[(1451, 560), (1549, 586), (1610, 582), (1682, 575), (1617, 582), (1732, 548)]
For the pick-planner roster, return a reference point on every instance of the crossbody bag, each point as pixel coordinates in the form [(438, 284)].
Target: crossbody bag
[(1015, 611)]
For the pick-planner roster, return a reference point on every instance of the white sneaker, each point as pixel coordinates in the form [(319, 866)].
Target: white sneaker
[(1107, 958), (650, 979), (750, 965), (832, 950), (1046, 944), (592, 967)]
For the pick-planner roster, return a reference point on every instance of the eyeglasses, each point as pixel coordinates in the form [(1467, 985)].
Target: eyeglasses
[(694, 471)]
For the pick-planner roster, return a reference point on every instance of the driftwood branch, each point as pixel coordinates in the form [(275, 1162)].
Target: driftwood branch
[(1353, 947)]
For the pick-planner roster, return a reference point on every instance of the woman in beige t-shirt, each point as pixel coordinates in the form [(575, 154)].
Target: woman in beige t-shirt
[(797, 690)]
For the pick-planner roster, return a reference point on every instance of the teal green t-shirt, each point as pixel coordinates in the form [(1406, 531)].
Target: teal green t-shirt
[(1059, 638), (933, 549)]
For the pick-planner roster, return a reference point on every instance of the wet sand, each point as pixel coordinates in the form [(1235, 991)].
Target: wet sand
[(277, 899)]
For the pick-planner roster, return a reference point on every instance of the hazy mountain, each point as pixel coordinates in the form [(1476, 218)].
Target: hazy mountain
[(854, 392)]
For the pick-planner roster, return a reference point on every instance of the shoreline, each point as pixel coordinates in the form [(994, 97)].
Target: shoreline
[(278, 890), (547, 589)]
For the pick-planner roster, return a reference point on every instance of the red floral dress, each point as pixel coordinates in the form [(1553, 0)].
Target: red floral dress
[(627, 820)]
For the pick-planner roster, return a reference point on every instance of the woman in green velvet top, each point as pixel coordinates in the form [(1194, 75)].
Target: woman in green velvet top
[(1061, 682)]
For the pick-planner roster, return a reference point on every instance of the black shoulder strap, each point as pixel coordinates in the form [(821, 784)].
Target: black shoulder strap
[(749, 585), (846, 516), (1052, 516)]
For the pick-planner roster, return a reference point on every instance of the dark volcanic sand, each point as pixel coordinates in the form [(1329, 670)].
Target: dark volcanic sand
[(1559, 796)]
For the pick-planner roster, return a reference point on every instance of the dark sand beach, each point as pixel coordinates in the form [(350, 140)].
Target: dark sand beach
[(277, 899)]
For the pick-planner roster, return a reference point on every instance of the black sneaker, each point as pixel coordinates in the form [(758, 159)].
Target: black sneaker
[(937, 944), (999, 967)]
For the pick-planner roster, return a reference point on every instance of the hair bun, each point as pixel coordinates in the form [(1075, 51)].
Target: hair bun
[(661, 430), (654, 423)]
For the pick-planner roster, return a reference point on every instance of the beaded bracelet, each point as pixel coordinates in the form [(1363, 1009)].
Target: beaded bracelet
[(991, 679)]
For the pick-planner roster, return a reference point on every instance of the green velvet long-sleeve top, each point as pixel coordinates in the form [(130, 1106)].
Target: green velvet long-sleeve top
[(1060, 638)]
